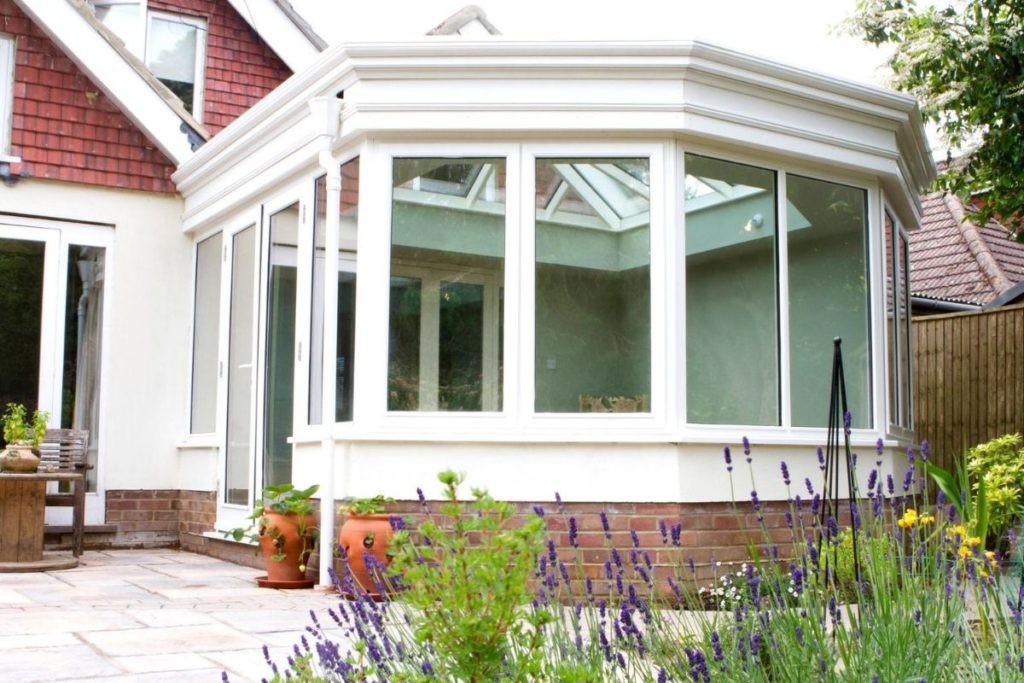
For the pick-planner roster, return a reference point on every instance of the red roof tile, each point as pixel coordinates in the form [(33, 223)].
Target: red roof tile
[(959, 261)]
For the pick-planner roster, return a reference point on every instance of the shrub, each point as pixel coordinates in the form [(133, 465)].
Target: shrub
[(1000, 463)]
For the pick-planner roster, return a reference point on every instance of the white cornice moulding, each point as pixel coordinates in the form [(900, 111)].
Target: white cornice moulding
[(362, 69)]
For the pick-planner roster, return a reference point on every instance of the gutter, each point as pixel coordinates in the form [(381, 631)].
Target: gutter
[(940, 306)]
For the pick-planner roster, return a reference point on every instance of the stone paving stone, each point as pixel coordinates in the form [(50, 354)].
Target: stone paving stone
[(66, 620), (265, 620), (170, 640), (37, 640), (211, 675), (184, 661), (244, 666), (47, 663), (9, 596), (171, 616)]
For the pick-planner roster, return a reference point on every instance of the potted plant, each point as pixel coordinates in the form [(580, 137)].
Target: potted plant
[(365, 534), (23, 438), (284, 524)]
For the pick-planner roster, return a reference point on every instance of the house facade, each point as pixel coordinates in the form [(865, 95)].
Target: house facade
[(101, 103), (566, 265)]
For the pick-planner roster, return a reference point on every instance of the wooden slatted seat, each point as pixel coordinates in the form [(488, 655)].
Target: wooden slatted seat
[(67, 450)]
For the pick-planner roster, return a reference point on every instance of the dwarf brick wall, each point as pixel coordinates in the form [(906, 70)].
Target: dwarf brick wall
[(144, 517), (64, 128), (240, 68), (711, 533)]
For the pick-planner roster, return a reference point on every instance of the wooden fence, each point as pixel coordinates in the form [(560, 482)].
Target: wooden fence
[(968, 379)]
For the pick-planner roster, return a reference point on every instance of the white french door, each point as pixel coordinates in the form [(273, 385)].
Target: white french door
[(53, 308)]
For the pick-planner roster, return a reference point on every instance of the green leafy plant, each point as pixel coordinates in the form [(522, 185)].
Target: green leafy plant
[(19, 430), (368, 506), (468, 573), (999, 466), (283, 499), (972, 509)]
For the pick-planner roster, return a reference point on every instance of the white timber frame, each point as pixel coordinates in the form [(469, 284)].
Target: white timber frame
[(523, 101)]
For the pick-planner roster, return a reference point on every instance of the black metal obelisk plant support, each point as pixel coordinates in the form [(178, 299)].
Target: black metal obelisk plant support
[(838, 423)]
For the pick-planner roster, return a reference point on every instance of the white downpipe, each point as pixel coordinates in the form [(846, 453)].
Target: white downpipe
[(326, 116)]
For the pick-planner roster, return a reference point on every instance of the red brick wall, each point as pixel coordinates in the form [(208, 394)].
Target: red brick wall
[(240, 68), (64, 128), (144, 517)]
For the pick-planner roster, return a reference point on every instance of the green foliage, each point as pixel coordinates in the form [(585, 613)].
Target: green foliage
[(284, 499), (965, 64), (368, 506), (468, 575), (973, 510), (17, 428), (998, 466), (870, 548)]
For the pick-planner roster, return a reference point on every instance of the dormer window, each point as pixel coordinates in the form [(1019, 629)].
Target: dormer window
[(173, 46)]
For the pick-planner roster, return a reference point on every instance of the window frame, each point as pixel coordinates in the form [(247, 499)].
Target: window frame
[(202, 28), (900, 245), (8, 59), (190, 434)]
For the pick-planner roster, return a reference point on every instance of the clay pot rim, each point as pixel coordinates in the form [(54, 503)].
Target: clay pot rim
[(380, 516)]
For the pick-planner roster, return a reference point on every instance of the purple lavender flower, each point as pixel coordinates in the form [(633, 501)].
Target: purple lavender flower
[(662, 676), (558, 502), (634, 538), (924, 450), (910, 457), (796, 580), (821, 458), (917, 616), (423, 499), (692, 566), (785, 472), (799, 631), (789, 519), (676, 532), (754, 500), (890, 484), (755, 643), (746, 449), (663, 529), (539, 511), (809, 485), (616, 558), (728, 458), (604, 524), (716, 647), (815, 504), (872, 480), (879, 447), (907, 480)]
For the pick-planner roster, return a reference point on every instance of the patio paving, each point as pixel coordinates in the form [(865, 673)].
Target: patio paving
[(147, 615)]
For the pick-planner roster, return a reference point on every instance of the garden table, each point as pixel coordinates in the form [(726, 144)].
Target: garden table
[(22, 506)]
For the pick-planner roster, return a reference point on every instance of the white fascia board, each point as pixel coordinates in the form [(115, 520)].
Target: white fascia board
[(652, 88), (112, 74), (272, 25)]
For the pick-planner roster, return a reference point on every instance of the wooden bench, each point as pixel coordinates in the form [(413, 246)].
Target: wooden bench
[(67, 450)]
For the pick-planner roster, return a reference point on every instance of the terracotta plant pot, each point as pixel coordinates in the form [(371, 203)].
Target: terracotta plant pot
[(363, 535), (19, 458), (280, 536)]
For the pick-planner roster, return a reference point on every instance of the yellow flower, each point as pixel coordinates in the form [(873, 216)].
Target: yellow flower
[(958, 530), (927, 519), (908, 520), (991, 557), (965, 552), (974, 540)]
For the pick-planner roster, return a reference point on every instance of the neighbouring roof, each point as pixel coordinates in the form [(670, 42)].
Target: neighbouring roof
[(954, 259)]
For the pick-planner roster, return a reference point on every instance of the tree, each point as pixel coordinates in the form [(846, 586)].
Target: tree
[(965, 65)]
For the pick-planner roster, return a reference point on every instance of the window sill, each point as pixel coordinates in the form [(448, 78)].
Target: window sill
[(8, 159), (198, 442)]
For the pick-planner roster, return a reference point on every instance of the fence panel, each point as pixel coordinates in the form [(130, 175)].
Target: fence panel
[(968, 379)]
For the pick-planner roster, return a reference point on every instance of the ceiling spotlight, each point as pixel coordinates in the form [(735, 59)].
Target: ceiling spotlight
[(755, 223)]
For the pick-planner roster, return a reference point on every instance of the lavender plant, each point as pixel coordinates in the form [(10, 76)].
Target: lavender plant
[(478, 596)]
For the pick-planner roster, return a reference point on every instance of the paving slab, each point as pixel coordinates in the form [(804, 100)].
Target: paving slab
[(148, 616)]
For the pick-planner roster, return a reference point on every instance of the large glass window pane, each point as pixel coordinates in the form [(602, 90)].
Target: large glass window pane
[(593, 286), (172, 50), (238, 474), (348, 210), (891, 324), (904, 333), (828, 297), (206, 335), (83, 337), (21, 310), (447, 268), (732, 343), (279, 395)]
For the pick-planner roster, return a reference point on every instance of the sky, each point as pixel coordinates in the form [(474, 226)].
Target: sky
[(802, 33)]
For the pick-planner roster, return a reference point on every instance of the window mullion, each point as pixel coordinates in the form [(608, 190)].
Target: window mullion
[(782, 283)]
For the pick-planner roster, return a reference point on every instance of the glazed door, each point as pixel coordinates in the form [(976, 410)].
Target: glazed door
[(51, 307)]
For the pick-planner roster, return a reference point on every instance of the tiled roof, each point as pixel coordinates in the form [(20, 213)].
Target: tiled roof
[(953, 259)]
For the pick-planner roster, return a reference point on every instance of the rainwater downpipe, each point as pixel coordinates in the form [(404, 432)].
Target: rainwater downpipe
[(326, 112)]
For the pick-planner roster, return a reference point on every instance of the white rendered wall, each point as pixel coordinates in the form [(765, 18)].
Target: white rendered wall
[(149, 305)]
